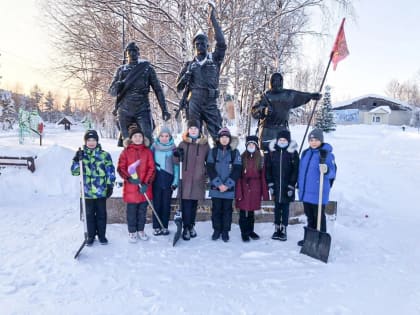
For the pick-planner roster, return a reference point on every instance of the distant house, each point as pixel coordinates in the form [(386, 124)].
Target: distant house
[(372, 109), (66, 121)]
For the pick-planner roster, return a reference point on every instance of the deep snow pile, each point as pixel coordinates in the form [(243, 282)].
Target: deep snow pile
[(374, 260)]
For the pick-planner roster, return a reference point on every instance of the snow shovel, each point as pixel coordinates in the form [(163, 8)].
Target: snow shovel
[(133, 173), (153, 209), (178, 214), (82, 207), (317, 244)]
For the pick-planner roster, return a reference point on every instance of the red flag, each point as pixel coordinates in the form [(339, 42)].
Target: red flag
[(339, 51)]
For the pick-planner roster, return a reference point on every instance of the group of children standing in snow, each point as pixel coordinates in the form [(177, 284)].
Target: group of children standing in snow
[(152, 173)]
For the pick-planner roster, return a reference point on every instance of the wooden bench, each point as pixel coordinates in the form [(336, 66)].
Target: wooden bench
[(29, 161), (116, 209)]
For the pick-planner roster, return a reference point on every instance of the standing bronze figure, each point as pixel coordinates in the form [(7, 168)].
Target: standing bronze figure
[(272, 109), (201, 77), (131, 85)]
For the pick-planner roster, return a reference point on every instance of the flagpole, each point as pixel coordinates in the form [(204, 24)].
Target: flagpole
[(316, 102), (333, 51)]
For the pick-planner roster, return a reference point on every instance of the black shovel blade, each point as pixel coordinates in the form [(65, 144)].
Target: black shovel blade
[(178, 222), (317, 244)]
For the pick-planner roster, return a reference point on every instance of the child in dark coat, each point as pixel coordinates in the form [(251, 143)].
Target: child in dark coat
[(282, 173), (223, 168), (316, 159), (251, 188), (98, 182)]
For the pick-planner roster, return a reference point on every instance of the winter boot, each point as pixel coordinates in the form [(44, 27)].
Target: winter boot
[(225, 236), (132, 237), (283, 233), (276, 234), (89, 241), (186, 234), (157, 232), (245, 237), (165, 231), (103, 240), (193, 233), (301, 242), (216, 235), (254, 236), (143, 236)]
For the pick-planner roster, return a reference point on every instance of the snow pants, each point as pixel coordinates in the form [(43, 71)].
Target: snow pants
[(221, 214), (162, 204), (246, 222), (281, 213), (136, 216), (96, 217), (189, 212), (311, 212)]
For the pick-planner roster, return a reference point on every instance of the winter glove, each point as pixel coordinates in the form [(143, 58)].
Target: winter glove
[(166, 115), (173, 187), (78, 156), (316, 96), (133, 181), (109, 190), (179, 153), (143, 188), (323, 168), (322, 156), (290, 190)]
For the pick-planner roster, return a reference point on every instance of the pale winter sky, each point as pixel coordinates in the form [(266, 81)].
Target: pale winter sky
[(383, 43)]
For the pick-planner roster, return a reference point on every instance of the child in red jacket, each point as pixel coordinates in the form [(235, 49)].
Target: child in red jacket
[(137, 167)]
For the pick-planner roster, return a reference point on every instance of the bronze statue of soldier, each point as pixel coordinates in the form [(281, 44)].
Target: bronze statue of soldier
[(272, 109), (131, 85), (201, 77)]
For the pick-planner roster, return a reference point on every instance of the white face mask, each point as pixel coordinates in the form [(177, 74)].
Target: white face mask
[(250, 150), (282, 144)]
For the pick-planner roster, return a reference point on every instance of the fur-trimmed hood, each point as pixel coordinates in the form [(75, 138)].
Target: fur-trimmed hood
[(293, 146), (128, 141), (201, 140), (234, 141)]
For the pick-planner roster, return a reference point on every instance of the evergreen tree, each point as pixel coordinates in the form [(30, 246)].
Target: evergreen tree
[(36, 97), (67, 106), (7, 109), (325, 116), (49, 104)]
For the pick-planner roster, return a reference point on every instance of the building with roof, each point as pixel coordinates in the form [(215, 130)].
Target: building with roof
[(372, 109)]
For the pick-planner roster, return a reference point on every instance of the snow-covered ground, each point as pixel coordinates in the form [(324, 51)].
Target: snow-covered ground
[(373, 267)]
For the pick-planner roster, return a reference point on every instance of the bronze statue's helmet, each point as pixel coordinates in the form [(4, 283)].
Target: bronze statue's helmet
[(132, 46), (200, 35), (276, 81)]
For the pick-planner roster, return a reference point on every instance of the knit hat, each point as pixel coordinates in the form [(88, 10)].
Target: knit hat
[(193, 123), (224, 132), (284, 134), (133, 131), (91, 134), (165, 129), (251, 139), (316, 134)]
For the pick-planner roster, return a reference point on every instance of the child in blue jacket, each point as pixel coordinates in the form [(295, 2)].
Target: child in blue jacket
[(224, 167), (314, 160)]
